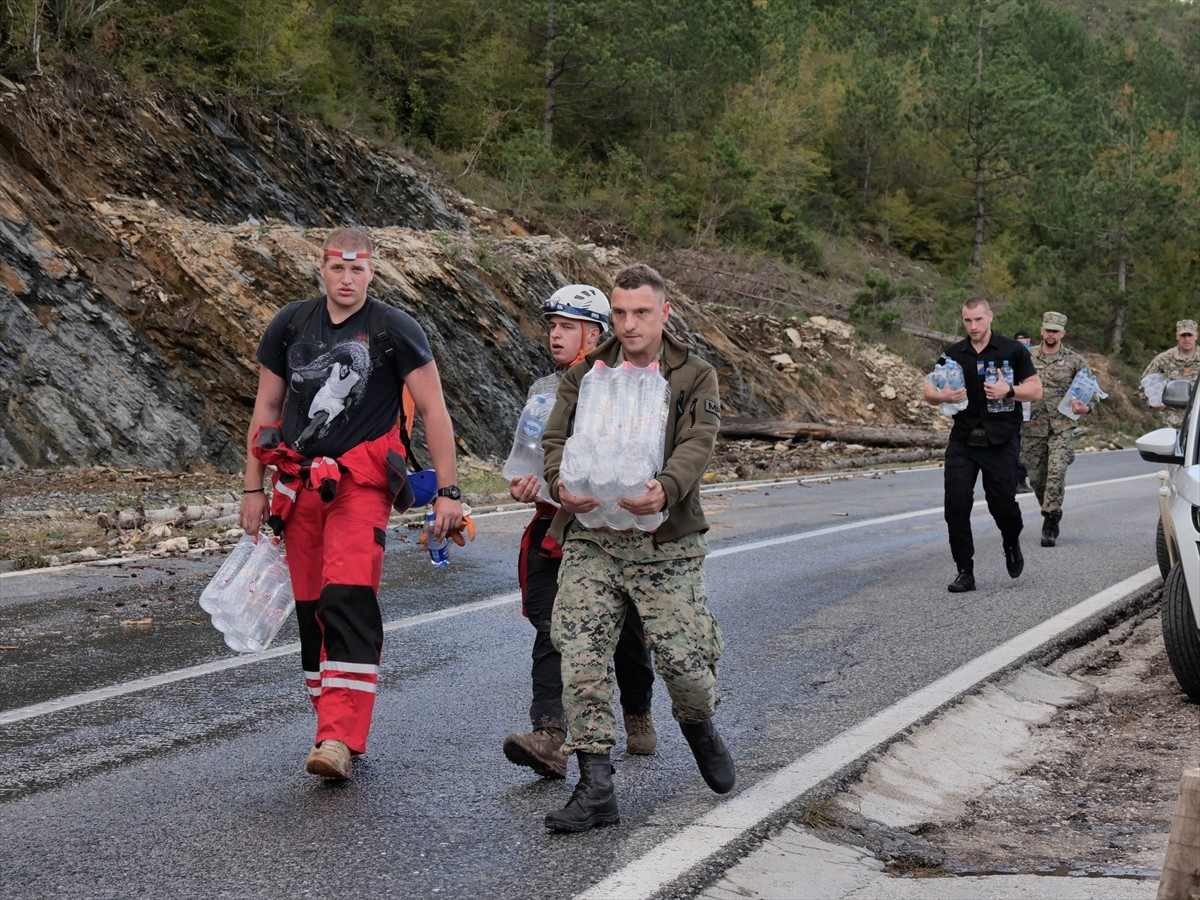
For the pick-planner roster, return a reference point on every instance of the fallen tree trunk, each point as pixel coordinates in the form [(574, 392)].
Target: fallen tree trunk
[(129, 519), (871, 435)]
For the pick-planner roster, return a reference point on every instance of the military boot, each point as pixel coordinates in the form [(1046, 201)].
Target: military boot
[(541, 750), (593, 802), (964, 581), (640, 737), (1050, 528), (712, 756)]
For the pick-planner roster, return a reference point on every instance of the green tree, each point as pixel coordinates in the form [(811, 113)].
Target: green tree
[(987, 105), (871, 117)]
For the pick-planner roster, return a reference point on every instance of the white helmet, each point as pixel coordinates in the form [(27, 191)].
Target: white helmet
[(579, 301)]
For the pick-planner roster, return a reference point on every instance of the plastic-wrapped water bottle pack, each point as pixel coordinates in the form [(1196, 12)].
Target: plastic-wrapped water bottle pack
[(617, 444), (251, 595)]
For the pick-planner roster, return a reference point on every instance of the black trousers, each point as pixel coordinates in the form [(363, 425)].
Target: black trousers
[(634, 670), (998, 463)]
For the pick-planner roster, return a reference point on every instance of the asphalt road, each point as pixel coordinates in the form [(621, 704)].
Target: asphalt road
[(143, 758)]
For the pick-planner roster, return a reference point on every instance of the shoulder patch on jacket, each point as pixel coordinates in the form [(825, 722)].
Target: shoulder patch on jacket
[(712, 406)]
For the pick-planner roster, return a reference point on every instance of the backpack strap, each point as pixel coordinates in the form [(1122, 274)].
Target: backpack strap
[(297, 322), (381, 343)]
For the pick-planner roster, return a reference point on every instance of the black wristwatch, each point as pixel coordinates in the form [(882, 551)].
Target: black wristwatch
[(1012, 392), (452, 492)]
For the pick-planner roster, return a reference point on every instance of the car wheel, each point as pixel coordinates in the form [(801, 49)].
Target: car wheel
[(1164, 556), (1180, 634)]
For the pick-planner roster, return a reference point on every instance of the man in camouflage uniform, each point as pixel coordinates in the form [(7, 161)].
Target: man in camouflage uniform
[(1047, 439), (1181, 361), (604, 572)]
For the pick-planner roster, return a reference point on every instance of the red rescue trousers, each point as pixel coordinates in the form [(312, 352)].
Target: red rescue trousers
[(335, 557)]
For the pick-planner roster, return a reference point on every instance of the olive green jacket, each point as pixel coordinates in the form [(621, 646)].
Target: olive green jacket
[(692, 424)]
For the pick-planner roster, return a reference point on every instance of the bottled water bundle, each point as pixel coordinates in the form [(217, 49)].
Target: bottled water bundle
[(1083, 388), (948, 375), (1153, 385), (251, 595), (617, 445)]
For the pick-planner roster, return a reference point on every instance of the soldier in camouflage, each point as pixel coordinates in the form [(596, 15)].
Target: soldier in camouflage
[(1047, 439), (605, 573), (578, 317), (1181, 361)]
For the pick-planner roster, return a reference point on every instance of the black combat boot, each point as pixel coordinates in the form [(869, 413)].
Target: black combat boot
[(965, 580), (1050, 528), (592, 803), (1014, 560), (712, 756)]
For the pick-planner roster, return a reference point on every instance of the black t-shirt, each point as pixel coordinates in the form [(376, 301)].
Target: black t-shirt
[(338, 394), (999, 426)]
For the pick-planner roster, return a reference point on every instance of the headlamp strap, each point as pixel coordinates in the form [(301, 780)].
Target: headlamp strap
[(348, 255)]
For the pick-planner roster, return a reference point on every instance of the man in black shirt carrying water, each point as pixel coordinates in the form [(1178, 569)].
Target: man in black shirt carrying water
[(984, 441)]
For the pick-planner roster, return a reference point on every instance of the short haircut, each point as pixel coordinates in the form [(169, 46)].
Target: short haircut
[(349, 239), (640, 275), (976, 302)]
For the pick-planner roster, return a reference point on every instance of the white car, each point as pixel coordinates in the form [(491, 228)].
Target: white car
[(1178, 544)]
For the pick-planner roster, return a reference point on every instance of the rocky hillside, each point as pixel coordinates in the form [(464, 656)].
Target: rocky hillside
[(147, 238)]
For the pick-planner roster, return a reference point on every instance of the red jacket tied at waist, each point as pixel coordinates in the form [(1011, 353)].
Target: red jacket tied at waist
[(376, 463)]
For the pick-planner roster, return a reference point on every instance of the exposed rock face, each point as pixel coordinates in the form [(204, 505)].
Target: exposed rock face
[(145, 242)]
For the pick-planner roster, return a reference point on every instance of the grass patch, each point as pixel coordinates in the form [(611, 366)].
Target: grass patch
[(819, 815)]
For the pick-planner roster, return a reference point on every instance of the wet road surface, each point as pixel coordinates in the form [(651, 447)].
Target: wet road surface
[(831, 596)]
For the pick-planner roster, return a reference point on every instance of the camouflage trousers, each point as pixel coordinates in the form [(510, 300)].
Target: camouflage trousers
[(595, 590), (1046, 458)]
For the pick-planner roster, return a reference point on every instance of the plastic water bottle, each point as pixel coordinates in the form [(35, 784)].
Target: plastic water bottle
[(954, 381), (211, 595), (576, 468), (622, 400), (527, 457), (1008, 404), (991, 375), (240, 589), (439, 551), (591, 409)]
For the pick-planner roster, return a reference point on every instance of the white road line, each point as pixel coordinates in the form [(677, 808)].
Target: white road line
[(728, 821), (153, 681)]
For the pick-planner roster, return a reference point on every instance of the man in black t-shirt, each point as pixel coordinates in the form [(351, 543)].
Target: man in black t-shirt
[(325, 417), (984, 441)]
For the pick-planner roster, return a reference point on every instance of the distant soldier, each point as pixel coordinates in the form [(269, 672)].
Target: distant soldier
[(1048, 439), (1178, 362)]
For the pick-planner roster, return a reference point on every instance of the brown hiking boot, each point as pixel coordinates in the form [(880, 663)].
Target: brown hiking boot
[(640, 736), (541, 751), (329, 759)]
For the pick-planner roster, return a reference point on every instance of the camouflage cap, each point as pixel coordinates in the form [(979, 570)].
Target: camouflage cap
[(1054, 321), (1185, 326)]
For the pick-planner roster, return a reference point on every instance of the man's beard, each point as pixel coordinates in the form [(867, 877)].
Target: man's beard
[(1051, 342)]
